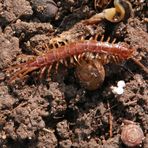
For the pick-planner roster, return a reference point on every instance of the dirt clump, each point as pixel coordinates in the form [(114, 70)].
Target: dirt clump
[(53, 109), (10, 48), (11, 9)]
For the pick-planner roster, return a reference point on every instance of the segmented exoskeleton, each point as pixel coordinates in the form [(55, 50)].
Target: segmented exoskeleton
[(73, 53)]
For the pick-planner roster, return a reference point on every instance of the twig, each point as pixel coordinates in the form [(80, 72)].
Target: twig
[(110, 121), (140, 64)]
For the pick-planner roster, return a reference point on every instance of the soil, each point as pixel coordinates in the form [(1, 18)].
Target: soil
[(60, 112)]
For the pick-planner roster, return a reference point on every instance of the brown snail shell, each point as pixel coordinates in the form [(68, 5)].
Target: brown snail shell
[(91, 74), (132, 135), (121, 11)]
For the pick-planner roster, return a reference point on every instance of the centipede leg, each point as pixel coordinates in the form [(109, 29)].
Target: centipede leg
[(21, 73), (102, 38), (72, 61), (65, 63), (80, 56), (10, 69), (56, 67), (91, 38), (16, 75), (76, 59), (108, 39), (39, 80), (49, 69), (24, 57), (82, 38), (37, 52), (114, 40), (42, 72), (28, 70), (96, 36)]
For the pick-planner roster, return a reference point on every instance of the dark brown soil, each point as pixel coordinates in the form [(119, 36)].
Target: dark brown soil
[(60, 112)]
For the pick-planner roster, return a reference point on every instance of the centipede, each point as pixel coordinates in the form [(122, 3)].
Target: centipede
[(72, 53)]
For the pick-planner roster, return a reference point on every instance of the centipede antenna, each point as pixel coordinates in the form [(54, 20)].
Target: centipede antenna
[(9, 69), (16, 74), (27, 71)]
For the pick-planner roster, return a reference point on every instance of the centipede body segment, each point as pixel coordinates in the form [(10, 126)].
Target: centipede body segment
[(104, 52)]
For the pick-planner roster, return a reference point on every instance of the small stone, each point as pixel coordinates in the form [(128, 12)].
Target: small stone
[(45, 9), (132, 135), (117, 90), (121, 84)]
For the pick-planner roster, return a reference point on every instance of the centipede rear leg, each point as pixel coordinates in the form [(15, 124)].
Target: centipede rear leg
[(44, 74)]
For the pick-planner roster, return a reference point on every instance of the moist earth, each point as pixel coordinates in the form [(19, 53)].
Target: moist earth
[(58, 111)]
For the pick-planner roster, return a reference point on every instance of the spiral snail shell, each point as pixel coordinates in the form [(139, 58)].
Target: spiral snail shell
[(132, 135)]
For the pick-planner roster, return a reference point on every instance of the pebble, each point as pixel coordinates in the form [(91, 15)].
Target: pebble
[(119, 90), (44, 9)]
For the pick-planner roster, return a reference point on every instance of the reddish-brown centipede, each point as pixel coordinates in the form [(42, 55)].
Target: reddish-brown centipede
[(105, 52)]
